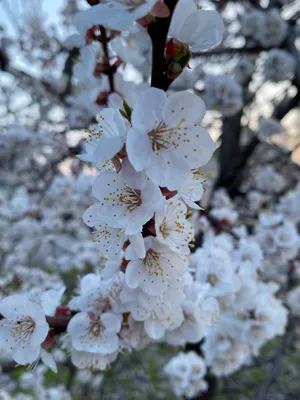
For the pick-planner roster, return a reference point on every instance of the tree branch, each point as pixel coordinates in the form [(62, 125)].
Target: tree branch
[(110, 72), (158, 32)]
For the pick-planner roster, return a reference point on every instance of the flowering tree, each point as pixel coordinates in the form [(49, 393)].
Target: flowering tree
[(206, 263)]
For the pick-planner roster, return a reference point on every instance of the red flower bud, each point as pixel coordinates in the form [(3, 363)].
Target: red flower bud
[(62, 311), (173, 48), (93, 2)]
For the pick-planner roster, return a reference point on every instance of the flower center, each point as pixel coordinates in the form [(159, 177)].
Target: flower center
[(164, 229), (131, 198), (163, 137), (96, 328), (212, 279), (152, 263), (24, 328)]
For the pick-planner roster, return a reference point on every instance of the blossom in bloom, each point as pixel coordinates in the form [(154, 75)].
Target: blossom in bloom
[(106, 138), (158, 313), (268, 28), (200, 311), (168, 141), (153, 272), (269, 181), (223, 93), (249, 254), (110, 240), (223, 352), (252, 22), (115, 14), (172, 227), (260, 317), (225, 215), (93, 333), (124, 206), (213, 267), (186, 372), (278, 65), (51, 299), (192, 189), (197, 28), (23, 328), (132, 46)]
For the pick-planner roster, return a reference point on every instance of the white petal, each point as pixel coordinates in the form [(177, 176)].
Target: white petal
[(198, 150), (202, 30), (133, 178), (148, 111), (101, 14), (108, 148), (154, 329), (111, 322), (167, 170), (13, 306), (48, 360), (106, 188), (51, 299), (134, 274), (139, 148), (24, 354), (184, 105), (7, 337), (138, 244), (183, 9)]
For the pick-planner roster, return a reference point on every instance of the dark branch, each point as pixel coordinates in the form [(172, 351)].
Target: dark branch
[(158, 32), (110, 72)]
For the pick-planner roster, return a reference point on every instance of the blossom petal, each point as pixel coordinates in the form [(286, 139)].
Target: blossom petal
[(148, 111), (168, 170), (48, 360), (154, 329), (111, 322), (24, 354), (134, 274), (185, 106), (202, 30)]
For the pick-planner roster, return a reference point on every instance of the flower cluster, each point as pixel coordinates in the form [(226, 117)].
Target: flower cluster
[(143, 280), (265, 27), (186, 372), (156, 150)]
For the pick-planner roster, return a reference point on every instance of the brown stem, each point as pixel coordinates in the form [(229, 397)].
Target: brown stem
[(158, 32), (110, 72), (58, 324)]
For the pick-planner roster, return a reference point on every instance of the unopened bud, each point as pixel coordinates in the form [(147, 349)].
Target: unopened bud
[(93, 2)]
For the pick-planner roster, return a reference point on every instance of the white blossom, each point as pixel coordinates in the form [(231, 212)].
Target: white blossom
[(23, 328), (117, 14), (153, 272), (186, 372), (199, 29), (168, 141), (172, 227), (95, 334), (278, 65), (124, 206), (222, 93)]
